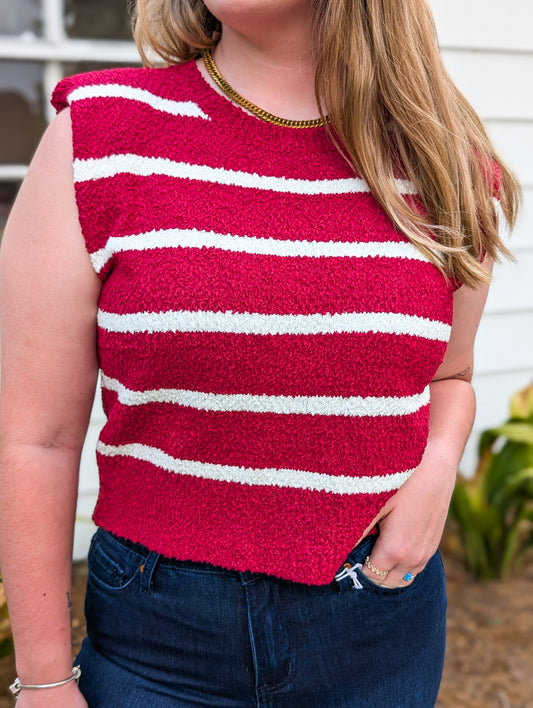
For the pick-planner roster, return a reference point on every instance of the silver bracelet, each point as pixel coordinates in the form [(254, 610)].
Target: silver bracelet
[(16, 687)]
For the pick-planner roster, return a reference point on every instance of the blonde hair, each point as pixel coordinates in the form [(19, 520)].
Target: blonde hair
[(394, 112)]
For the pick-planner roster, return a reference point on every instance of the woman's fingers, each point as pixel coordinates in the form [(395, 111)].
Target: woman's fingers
[(397, 576), (393, 564)]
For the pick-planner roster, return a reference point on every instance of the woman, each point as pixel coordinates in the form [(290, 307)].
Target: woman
[(276, 298)]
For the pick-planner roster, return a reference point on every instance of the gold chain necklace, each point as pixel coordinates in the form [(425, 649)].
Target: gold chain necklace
[(248, 105)]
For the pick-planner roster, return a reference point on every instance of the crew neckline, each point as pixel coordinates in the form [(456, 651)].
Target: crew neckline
[(222, 101)]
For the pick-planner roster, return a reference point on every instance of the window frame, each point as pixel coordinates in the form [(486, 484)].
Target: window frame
[(52, 49)]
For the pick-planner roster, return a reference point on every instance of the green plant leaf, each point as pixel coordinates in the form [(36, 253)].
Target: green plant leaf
[(517, 432), (506, 463), (517, 486), (486, 441)]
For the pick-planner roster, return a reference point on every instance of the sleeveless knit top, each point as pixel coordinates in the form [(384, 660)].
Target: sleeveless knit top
[(266, 337)]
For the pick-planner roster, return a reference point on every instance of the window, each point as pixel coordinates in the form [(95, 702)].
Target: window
[(21, 18), (8, 191), (22, 118), (40, 42), (98, 19)]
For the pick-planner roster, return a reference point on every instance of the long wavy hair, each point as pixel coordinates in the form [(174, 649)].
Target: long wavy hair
[(394, 112)]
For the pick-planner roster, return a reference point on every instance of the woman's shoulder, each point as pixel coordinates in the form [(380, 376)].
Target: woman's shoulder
[(125, 82)]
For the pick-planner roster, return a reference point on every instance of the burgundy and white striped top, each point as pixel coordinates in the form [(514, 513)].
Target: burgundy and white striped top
[(266, 337)]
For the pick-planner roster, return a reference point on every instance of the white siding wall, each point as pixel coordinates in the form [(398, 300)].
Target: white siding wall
[(488, 48)]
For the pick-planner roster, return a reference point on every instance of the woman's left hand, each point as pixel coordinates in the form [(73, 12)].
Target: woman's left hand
[(411, 523)]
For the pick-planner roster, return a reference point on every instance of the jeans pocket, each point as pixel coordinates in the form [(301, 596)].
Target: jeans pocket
[(112, 564)]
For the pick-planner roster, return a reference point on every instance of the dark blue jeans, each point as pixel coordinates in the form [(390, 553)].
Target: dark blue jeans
[(169, 634)]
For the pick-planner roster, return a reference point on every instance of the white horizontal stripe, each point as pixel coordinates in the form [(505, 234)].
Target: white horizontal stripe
[(130, 93), (269, 477), (191, 238), (100, 168), (257, 323), (353, 406)]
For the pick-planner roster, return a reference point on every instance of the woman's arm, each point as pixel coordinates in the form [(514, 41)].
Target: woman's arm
[(48, 296), (412, 521)]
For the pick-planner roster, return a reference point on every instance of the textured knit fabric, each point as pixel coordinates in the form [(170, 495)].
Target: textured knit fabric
[(266, 337)]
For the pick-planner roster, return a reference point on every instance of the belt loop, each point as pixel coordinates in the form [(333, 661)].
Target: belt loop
[(147, 571)]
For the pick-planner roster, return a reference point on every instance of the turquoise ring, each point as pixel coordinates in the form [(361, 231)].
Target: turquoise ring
[(408, 576)]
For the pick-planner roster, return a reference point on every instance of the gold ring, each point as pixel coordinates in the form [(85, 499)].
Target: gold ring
[(377, 571)]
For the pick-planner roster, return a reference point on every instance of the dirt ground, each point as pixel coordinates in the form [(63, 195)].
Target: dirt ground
[(489, 661), (489, 657)]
